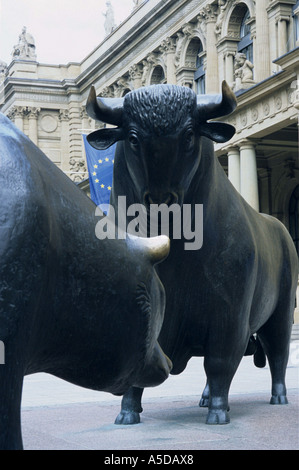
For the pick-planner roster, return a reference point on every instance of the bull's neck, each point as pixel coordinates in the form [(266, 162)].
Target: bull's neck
[(205, 180)]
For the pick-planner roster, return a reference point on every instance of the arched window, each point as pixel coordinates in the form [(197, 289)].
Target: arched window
[(245, 45), (158, 75), (199, 76), (294, 217)]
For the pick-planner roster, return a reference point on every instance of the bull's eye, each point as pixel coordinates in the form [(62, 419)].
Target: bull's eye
[(133, 141), (189, 139)]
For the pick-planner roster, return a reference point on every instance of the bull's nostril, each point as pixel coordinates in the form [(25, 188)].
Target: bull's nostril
[(171, 198), (168, 199), (148, 199)]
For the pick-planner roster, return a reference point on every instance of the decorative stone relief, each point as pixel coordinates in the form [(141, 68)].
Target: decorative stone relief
[(120, 87), (63, 115), (254, 114), (222, 4), (107, 92), (78, 171), (266, 108), (136, 75), (278, 102), (209, 13), (168, 45), (152, 61), (48, 123)]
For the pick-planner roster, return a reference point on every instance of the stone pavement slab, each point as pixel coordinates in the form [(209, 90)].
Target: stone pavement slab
[(59, 416)]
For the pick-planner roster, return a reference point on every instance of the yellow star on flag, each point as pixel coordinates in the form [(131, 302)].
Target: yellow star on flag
[(97, 181), (102, 186), (95, 166), (94, 173), (100, 161)]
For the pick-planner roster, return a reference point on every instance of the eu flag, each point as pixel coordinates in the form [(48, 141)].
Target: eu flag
[(100, 169)]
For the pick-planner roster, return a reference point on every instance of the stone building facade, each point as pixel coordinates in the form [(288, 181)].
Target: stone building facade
[(252, 44)]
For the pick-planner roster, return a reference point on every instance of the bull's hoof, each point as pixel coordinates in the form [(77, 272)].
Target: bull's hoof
[(217, 417), (279, 400), (204, 402), (128, 418)]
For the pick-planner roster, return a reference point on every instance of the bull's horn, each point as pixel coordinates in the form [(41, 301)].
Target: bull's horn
[(109, 110), (156, 248), (213, 106)]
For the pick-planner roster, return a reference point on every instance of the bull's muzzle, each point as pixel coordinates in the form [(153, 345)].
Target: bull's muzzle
[(156, 370)]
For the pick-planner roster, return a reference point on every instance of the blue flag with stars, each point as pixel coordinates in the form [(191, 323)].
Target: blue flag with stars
[(100, 169)]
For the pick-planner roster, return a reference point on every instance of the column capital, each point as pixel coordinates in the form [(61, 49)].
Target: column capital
[(135, 71), (168, 45), (279, 18), (231, 148), (246, 143), (33, 112), (63, 115), (209, 13)]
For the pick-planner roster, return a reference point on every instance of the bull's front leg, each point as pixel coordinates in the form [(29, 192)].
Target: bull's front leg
[(11, 383), (220, 370), (130, 407)]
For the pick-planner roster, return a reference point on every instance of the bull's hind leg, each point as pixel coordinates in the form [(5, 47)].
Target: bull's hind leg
[(204, 401), (130, 407), (275, 337)]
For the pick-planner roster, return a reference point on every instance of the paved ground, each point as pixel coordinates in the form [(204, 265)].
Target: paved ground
[(59, 416)]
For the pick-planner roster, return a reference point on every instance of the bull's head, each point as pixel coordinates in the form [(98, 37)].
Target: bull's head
[(161, 127)]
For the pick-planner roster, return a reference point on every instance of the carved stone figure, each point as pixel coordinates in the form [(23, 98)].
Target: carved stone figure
[(243, 72), (25, 49), (242, 280), (3, 71), (78, 169), (86, 310), (109, 18)]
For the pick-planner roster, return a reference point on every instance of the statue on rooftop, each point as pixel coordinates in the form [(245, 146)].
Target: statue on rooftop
[(109, 18), (25, 49), (243, 72), (3, 70)]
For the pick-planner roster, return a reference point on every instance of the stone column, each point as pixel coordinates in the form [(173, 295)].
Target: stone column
[(32, 117), (282, 32), (234, 167), (262, 65), (64, 139), (135, 73), (168, 46), (74, 134), (18, 117), (212, 73), (248, 174), (229, 68)]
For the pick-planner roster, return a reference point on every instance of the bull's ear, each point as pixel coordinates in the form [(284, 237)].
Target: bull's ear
[(104, 138), (218, 131)]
